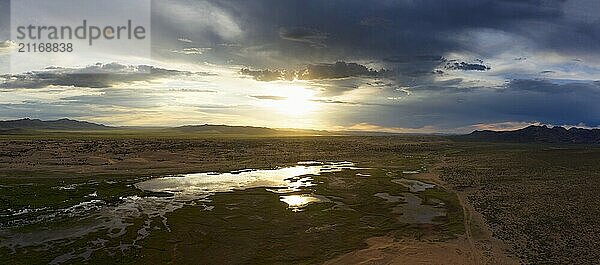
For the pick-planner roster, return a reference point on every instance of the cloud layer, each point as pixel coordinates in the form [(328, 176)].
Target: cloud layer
[(316, 72), (94, 76), (449, 65)]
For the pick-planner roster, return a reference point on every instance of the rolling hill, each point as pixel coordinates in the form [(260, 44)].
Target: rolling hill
[(538, 134), (36, 126), (58, 125)]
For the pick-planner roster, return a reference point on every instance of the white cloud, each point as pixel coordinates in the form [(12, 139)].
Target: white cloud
[(199, 17), (192, 51), (6, 46), (186, 40)]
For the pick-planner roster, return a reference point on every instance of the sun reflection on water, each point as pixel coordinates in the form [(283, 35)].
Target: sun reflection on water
[(297, 202)]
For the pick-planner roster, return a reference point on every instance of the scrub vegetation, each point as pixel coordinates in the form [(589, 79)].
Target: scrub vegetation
[(538, 199)]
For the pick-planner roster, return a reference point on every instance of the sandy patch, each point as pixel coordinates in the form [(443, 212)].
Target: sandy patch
[(384, 250)]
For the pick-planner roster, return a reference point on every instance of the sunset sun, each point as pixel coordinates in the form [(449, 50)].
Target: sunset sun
[(292, 100)]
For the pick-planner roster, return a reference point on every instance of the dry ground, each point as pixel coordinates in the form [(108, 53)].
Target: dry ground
[(538, 203)]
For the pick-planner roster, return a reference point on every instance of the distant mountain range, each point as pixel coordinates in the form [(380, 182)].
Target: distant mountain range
[(244, 130), (62, 124), (531, 134), (538, 134), (24, 126)]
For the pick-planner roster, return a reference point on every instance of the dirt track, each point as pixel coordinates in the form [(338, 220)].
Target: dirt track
[(476, 247)]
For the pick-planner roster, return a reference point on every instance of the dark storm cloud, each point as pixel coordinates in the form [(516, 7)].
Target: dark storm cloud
[(94, 76), (414, 58), (413, 39), (339, 70), (269, 75), (300, 34), (316, 72), (376, 22), (448, 107), (356, 29), (547, 87), (336, 87), (274, 34), (466, 66)]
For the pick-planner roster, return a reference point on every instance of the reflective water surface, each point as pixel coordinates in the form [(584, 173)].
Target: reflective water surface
[(413, 185), (413, 211), (95, 223), (96, 215), (280, 180), (297, 202)]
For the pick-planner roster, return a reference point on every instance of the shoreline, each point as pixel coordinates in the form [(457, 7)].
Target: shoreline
[(476, 246)]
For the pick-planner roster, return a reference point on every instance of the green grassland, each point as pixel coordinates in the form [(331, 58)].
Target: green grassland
[(261, 229), (539, 199)]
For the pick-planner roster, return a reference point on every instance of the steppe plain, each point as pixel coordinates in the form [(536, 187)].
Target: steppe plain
[(485, 203)]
